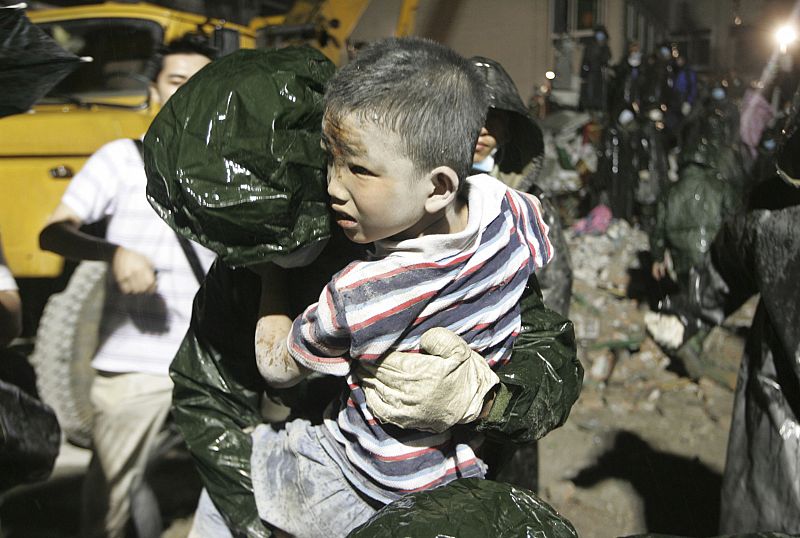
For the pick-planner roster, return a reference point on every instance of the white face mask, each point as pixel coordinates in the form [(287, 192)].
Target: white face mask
[(600, 36), (625, 117), (718, 94), (635, 59)]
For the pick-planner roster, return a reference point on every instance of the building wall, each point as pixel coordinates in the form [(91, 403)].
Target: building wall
[(516, 33), (745, 46)]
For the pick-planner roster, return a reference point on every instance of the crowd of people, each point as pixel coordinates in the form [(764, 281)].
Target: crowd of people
[(705, 166), (370, 250)]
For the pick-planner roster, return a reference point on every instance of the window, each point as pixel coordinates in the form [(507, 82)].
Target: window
[(696, 46), (119, 48), (575, 16), (586, 14)]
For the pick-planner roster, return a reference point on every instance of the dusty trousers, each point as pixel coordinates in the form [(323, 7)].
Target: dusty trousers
[(130, 410)]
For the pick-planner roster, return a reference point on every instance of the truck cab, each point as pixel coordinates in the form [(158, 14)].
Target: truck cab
[(104, 99)]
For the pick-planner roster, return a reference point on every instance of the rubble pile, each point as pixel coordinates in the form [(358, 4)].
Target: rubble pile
[(636, 415), (603, 260), (567, 154)]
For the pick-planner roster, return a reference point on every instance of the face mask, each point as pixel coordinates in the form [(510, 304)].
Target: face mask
[(600, 36), (664, 52), (625, 117), (635, 59), (718, 94)]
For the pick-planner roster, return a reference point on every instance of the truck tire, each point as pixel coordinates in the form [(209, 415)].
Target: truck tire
[(65, 343)]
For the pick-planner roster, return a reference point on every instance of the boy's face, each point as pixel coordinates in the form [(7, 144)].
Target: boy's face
[(376, 192)]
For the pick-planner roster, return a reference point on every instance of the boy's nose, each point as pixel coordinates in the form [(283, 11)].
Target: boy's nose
[(335, 189)]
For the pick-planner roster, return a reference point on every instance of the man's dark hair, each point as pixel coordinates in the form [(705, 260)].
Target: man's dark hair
[(424, 92), (191, 43)]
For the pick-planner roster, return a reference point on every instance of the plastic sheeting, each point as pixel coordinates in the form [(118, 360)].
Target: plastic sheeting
[(467, 508), (233, 160), (756, 252), (29, 437), (31, 63)]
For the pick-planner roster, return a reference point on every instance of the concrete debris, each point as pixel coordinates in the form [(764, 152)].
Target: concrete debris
[(604, 260), (635, 403)]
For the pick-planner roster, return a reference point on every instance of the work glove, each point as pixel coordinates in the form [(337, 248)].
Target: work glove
[(429, 392), (667, 330)]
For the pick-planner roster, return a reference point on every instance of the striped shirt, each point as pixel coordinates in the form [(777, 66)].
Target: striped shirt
[(469, 282), (138, 333)]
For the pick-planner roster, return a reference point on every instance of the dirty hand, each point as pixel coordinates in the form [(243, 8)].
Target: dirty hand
[(133, 272), (659, 270), (429, 392)]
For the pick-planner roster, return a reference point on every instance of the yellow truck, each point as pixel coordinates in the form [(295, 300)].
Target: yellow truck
[(107, 98), (102, 100)]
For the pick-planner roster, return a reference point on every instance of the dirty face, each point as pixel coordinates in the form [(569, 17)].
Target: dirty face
[(492, 135), (176, 70), (376, 191)]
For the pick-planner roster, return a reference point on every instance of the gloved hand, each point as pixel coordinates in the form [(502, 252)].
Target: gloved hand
[(429, 392), (667, 330)]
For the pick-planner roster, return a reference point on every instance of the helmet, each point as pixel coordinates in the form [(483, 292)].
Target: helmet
[(527, 141)]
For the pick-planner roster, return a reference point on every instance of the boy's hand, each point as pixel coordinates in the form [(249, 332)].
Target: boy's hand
[(429, 392)]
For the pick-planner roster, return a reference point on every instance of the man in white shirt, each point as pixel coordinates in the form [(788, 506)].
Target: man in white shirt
[(150, 289), (10, 305)]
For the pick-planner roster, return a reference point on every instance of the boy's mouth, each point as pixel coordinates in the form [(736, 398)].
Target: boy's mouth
[(344, 220)]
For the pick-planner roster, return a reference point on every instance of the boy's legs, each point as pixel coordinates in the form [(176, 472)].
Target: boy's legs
[(130, 410), (299, 488), (208, 522)]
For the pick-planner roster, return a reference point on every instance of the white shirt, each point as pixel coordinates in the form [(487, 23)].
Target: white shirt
[(7, 282), (138, 333)]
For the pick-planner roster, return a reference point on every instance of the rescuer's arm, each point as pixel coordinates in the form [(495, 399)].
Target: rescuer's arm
[(133, 272)]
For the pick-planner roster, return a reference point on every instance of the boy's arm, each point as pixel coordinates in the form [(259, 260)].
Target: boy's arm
[(536, 230), (319, 339), (275, 364)]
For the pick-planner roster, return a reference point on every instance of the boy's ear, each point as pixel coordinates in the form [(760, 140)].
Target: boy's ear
[(444, 183)]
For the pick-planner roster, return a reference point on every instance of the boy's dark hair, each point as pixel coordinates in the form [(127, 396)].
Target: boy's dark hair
[(190, 43), (424, 92)]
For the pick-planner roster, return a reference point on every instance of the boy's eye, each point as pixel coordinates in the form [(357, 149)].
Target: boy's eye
[(360, 170)]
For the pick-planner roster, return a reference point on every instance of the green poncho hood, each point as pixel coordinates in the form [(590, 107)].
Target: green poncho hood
[(233, 160)]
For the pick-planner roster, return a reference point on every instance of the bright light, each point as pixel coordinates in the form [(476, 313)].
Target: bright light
[(785, 35), (549, 75)]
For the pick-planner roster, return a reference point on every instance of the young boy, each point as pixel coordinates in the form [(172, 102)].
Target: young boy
[(400, 125)]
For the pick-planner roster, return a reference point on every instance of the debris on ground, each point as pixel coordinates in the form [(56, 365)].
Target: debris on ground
[(644, 447)]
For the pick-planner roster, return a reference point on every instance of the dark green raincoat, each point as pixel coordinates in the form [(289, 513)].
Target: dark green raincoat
[(467, 508), (708, 190)]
